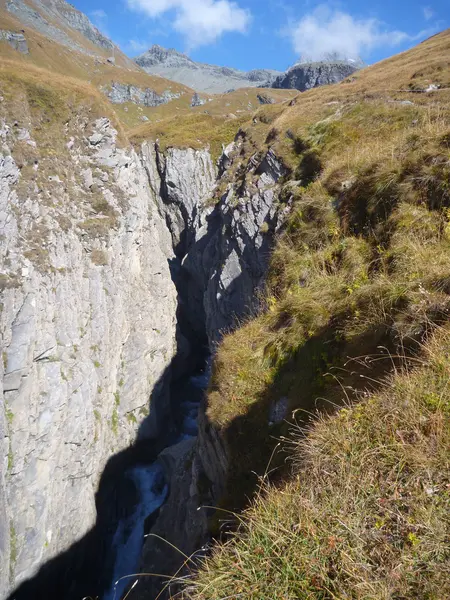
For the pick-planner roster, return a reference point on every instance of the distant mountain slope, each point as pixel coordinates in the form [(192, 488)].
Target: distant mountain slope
[(61, 41), (53, 13), (202, 77), (63, 24), (174, 65), (53, 35)]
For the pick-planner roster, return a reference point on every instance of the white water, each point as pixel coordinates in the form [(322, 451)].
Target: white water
[(152, 490), (129, 535)]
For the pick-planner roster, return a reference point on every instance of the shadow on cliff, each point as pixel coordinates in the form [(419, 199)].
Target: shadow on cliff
[(86, 568)]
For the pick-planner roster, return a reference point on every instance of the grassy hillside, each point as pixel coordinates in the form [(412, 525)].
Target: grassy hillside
[(367, 512), (94, 69), (359, 283)]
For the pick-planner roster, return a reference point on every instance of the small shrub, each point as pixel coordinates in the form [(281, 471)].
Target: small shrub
[(99, 227), (131, 418), (115, 421), (99, 258)]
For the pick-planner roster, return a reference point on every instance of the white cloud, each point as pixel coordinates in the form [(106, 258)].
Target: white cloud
[(199, 21), (428, 12), (327, 31)]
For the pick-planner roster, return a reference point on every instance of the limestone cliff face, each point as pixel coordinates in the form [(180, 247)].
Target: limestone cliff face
[(88, 322), (119, 93)]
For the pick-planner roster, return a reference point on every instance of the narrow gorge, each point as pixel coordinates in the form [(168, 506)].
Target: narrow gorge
[(224, 320), (135, 262)]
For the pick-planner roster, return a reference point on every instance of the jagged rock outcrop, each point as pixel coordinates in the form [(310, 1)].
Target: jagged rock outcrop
[(305, 76), (16, 40), (223, 245), (197, 101), (183, 180), (119, 93), (88, 324), (202, 77), (265, 99)]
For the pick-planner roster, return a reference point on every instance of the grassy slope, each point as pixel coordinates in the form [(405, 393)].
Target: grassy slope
[(362, 269), (59, 60), (213, 124), (366, 514)]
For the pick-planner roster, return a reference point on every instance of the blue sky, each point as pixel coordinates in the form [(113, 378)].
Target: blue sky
[(249, 34)]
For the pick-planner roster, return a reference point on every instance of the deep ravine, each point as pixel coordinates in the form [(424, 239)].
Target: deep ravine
[(176, 271)]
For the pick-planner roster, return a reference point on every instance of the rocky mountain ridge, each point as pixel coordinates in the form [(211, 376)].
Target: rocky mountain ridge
[(179, 67), (202, 77), (54, 18), (305, 76)]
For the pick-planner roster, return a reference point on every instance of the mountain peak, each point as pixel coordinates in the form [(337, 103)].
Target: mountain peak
[(158, 55)]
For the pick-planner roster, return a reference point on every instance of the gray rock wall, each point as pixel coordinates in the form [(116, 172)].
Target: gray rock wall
[(310, 75), (119, 93), (88, 323), (224, 244), (89, 320), (15, 40)]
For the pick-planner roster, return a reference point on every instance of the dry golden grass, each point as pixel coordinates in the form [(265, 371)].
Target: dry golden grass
[(34, 98), (383, 252), (191, 131), (366, 514), (56, 60)]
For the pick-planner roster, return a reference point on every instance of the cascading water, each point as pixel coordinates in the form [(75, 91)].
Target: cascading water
[(152, 490), (127, 542)]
